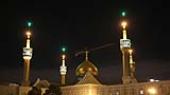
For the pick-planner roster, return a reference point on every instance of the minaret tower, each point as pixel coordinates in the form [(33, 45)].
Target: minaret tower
[(63, 68), (127, 58), (125, 45), (132, 67), (27, 55)]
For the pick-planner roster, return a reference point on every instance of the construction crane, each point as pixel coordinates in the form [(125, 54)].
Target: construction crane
[(93, 49)]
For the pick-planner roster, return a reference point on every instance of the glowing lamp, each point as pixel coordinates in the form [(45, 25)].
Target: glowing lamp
[(29, 24), (130, 51), (63, 49), (63, 56), (123, 13), (124, 24), (28, 34)]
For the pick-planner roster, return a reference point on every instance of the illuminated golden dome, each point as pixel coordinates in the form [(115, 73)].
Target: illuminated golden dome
[(86, 66)]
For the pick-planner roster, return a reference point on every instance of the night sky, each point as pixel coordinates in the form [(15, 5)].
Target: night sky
[(80, 24)]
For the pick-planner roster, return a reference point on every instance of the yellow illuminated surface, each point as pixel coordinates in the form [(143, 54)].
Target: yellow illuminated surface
[(141, 92), (27, 57), (28, 34), (63, 56), (124, 34), (124, 24), (152, 90), (92, 90), (130, 51)]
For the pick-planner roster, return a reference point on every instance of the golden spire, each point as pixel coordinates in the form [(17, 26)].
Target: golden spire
[(86, 52), (28, 34), (63, 67), (124, 24), (27, 55)]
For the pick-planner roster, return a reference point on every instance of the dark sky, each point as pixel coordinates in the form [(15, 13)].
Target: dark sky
[(79, 24)]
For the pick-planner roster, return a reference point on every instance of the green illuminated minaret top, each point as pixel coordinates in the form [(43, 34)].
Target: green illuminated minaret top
[(63, 49), (63, 67), (29, 24), (123, 13)]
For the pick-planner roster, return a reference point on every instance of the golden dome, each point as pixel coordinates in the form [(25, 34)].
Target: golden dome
[(86, 66)]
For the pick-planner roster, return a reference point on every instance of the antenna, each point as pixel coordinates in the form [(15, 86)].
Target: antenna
[(94, 49)]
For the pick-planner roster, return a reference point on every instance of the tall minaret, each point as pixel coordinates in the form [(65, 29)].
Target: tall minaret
[(27, 55), (63, 68), (132, 67), (125, 45)]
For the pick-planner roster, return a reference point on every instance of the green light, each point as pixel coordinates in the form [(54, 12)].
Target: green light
[(29, 24), (123, 13), (63, 49)]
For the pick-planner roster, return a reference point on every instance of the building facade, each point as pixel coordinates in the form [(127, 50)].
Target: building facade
[(87, 73), (143, 88)]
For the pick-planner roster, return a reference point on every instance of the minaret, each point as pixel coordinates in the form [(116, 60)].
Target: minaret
[(63, 68), (132, 67), (27, 55), (125, 45)]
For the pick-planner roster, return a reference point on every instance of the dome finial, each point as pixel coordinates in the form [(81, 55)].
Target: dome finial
[(86, 52)]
